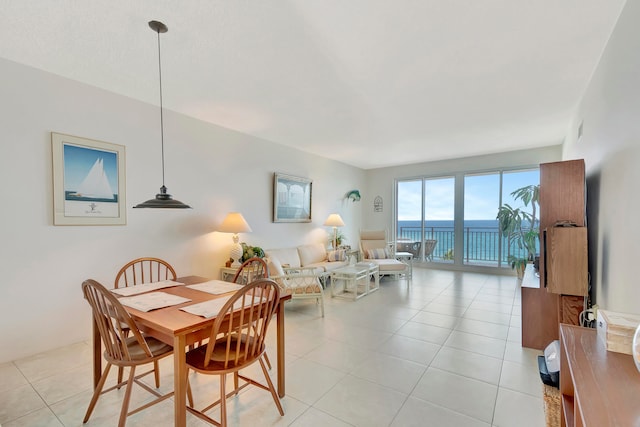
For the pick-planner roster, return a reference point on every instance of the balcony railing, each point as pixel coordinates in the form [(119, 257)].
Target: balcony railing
[(482, 245)]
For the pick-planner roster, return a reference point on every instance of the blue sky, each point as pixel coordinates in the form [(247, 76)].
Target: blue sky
[(78, 161), (481, 195)]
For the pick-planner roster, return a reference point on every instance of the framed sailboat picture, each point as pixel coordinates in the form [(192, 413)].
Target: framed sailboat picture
[(88, 181)]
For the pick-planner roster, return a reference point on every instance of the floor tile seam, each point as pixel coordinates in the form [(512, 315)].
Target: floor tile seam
[(26, 414), (483, 335), (303, 412), (57, 372), (458, 374), (17, 368), (344, 371), (495, 398), (488, 321), (393, 356), (343, 375), (353, 374), (406, 399), (330, 390), (431, 324), (539, 396), (494, 311), (471, 351), (320, 410), (447, 409), (368, 328), (44, 405), (485, 321), (495, 403), (427, 341)]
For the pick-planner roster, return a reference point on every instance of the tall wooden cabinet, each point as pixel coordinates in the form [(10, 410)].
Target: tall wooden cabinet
[(563, 261)]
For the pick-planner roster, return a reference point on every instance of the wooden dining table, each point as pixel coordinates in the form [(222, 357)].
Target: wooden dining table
[(181, 329)]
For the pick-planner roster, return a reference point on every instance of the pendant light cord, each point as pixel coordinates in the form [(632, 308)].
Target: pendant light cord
[(161, 115)]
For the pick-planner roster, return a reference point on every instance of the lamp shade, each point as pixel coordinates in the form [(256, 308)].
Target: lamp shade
[(334, 220), (234, 223)]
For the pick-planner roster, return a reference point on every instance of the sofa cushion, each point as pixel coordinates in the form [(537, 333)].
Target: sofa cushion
[(337, 255), (286, 256), (275, 266), (377, 253), (311, 254)]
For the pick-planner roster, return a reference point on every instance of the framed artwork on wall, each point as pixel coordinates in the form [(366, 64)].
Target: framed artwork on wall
[(88, 181), (291, 198)]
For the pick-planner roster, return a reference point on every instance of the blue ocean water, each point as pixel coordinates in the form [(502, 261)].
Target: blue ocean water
[(481, 238), (448, 224)]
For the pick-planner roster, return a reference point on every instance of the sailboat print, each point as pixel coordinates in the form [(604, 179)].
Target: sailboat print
[(96, 184)]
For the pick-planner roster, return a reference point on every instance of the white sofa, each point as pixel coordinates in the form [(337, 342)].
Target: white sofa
[(301, 271), (307, 256)]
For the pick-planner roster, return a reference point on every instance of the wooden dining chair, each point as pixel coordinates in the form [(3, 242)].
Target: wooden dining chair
[(140, 271), (237, 341), (115, 325), (144, 270), (250, 270)]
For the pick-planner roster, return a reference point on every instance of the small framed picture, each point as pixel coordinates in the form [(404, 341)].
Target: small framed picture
[(291, 198), (88, 181)]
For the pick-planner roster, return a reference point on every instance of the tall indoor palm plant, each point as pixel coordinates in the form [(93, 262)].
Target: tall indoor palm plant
[(519, 226)]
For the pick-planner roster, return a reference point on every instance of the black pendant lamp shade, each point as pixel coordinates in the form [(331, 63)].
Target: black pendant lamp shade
[(162, 199)]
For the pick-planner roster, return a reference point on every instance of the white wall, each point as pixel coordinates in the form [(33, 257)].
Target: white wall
[(213, 169), (610, 145), (381, 181)]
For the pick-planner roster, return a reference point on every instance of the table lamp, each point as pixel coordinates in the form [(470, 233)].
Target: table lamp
[(235, 223), (334, 221)]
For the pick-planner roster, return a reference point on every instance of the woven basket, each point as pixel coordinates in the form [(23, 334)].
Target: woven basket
[(551, 396)]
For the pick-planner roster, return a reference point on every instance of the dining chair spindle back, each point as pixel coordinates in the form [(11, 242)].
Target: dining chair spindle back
[(140, 271), (115, 325), (144, 270), (252, 269), (237, 340)]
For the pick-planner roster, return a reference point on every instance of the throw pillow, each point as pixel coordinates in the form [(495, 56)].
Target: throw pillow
[(380, 253), (274, 266), (337, 255)]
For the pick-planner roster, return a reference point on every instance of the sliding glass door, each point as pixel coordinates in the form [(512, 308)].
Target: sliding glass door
[(481, 203), (425, 215), (452, 219)]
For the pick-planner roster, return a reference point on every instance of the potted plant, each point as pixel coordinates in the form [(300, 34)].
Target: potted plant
[(251, 251), (340, 238), (521, 227)]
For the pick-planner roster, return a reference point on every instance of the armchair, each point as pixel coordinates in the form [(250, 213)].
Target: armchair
[(299, 282), (374, 248)]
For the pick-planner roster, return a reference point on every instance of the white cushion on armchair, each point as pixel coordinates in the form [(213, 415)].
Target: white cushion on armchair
[(300, 282)]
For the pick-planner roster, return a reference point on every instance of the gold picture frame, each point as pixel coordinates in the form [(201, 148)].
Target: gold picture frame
[(88, 181)]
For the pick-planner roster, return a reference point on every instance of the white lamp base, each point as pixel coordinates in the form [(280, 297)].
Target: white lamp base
[(236, 252)]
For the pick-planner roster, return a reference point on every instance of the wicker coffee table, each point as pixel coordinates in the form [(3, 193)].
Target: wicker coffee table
[(354, 281)]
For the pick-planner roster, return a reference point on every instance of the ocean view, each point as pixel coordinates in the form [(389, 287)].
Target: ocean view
[(481, 239)]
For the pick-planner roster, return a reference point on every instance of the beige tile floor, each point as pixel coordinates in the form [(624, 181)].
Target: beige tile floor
[(441, 351)]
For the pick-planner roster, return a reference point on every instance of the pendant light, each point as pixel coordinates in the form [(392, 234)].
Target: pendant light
[(162, 199)]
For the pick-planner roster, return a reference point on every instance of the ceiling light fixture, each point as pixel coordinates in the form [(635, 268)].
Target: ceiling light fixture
[(162, 199)]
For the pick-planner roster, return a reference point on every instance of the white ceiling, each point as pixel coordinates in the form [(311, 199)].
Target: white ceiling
[(371, 83)]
